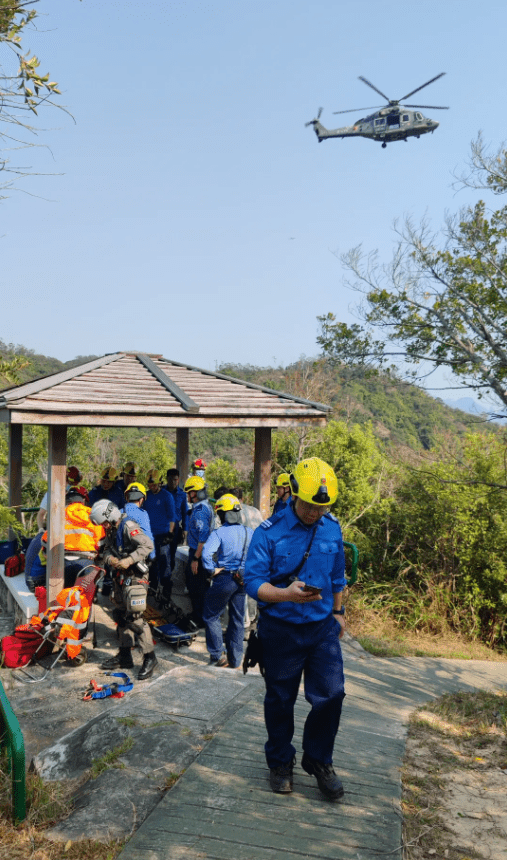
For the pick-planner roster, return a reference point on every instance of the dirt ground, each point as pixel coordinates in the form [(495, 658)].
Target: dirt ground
[(455, 783)]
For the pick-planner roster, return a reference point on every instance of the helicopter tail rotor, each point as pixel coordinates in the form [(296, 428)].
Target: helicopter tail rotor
[(313, 121)]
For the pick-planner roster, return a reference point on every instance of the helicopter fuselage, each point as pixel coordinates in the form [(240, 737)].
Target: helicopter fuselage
[(386, 125)]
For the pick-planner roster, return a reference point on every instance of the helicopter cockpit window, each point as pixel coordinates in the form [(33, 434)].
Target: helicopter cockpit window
[(418, 116), (405, 117), (380, 121)]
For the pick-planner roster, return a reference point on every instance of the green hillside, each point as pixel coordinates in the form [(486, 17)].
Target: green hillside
[(400, 413)]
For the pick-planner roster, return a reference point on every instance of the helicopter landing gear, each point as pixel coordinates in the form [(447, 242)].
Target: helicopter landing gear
[(384, 145)]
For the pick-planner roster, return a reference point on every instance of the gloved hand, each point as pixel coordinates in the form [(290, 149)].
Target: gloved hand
[(124, 563)]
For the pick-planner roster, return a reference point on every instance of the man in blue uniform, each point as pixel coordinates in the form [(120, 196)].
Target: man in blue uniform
[(295, 568), (107, 488), (128, 476), (200, 526), (224, 555), (160, 507), (283, 491), (180, 508), (135, 495)]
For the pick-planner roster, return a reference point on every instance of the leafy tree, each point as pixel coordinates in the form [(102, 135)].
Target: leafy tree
[(441, 300), (221, 473), (353, 454), (440, 540), (23, 87)]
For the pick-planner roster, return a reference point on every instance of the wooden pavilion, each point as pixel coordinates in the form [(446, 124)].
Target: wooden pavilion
[(133, 389)]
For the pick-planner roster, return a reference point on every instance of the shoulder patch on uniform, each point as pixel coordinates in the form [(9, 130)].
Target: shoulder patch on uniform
[(266, 524), (332, 517), (135, 532)]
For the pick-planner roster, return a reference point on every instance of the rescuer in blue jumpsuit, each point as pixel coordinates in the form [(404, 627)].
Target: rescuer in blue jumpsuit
[(181, 511), (159, 505), (224, 555), (300, 629), (283, 491), (200, 526)]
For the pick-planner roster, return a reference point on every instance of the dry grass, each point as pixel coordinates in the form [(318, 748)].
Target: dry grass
[(381, 635), (455, 779), (47, 803)]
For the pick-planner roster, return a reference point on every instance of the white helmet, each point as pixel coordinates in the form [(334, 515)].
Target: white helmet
[(104, 511)]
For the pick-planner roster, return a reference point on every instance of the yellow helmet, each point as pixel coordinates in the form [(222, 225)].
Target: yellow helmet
[(283, 480), (135, 491), (109, 474), (315, 482), (194, 483), (228, 502), (129, 470), (155, 477)]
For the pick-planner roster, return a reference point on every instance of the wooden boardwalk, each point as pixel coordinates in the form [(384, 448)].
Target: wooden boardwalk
[(223, 809)]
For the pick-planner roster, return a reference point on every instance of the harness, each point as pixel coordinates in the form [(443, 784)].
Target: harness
[(114, 690)]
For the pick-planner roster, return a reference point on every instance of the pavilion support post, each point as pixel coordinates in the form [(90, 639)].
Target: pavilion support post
[(262, 470), (182, 436), (57, 457), (15, 471)]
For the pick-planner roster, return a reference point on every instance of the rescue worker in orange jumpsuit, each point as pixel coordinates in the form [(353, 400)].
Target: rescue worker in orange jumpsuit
[(83, 539)]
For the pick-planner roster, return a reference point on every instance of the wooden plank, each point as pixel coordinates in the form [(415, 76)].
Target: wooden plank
[(182, 455), (169, 408), (187, 403), (96, 419), (15, 470), (262, 470), (57, 459)]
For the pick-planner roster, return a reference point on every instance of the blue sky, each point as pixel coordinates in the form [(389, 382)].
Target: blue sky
[(193, 214)]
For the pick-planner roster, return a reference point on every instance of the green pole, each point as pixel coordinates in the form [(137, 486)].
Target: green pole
[(12, 737)]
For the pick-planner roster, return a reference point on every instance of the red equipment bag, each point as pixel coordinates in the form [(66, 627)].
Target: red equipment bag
[(19, 648), (15, 564)]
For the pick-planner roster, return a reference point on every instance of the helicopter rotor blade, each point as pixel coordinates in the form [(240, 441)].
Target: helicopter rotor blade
[(422, 86), (369, 84), (316, 118), (353, 110), (430, 107)]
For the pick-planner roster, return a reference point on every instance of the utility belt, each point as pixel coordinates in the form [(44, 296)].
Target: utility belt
[(237, 576)]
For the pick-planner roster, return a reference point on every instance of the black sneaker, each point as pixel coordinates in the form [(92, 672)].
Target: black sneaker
[(280, 778), (327, 780)]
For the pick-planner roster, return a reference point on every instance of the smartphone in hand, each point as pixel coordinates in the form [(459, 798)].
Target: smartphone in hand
[(311, 589)]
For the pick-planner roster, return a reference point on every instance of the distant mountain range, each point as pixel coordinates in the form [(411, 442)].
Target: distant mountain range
[(473, 407)]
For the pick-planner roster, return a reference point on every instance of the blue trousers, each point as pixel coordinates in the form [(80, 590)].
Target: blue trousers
[(288, 651), (224, 592), (161, 565), (197, 587), (175, 544), (73, 569)]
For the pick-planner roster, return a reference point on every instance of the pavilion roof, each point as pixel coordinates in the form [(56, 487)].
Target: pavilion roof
[(134, 388)]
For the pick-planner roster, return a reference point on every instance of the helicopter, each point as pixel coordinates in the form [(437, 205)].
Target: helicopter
[(392, 122)]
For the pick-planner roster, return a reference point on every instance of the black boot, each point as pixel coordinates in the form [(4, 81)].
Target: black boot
[(121, 660), (327, 780), (149, 663)]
